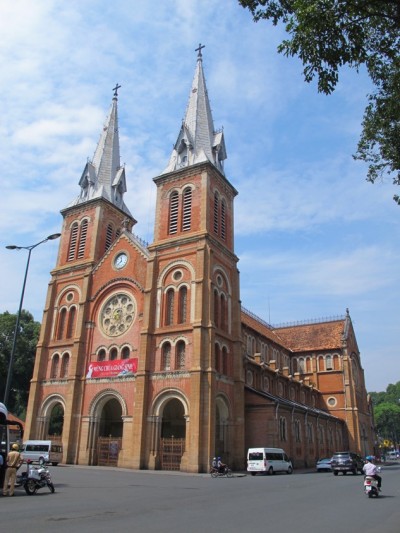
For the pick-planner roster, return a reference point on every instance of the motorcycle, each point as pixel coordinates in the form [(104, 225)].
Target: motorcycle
[(215, 472), (34, 478), (371, 487)]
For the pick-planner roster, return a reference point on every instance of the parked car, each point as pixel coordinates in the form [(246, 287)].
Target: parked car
[(347, 462), (324, 465)]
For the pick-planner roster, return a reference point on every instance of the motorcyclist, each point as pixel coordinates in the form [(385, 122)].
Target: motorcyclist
[(370, 469), (221, 466)]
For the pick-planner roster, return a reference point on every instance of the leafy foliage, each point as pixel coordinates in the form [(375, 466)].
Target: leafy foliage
[(328, 34), (387, 412), (23, 359)]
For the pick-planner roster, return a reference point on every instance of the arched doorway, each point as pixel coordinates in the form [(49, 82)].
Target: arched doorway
[(56, 422), (173, 433), (221, 429), (110, 430)]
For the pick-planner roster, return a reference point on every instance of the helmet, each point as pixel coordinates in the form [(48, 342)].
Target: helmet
[(369, 458), (15, 446), (219, 458)]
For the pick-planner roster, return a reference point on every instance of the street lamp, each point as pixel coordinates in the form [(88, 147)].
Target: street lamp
[(14, 344)]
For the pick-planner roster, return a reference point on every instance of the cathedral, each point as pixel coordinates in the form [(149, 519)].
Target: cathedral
[(146, 358)]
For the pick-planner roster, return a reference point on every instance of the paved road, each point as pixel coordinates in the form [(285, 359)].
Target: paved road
[(114, 500)]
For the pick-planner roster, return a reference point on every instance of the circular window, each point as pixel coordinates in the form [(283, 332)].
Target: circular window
[(177, 275), (332, 401), (220, 281), (117, 314), (70, 296)]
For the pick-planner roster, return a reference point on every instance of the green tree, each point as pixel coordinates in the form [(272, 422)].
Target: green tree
[(328, 34), (387, 421), (23, 359)]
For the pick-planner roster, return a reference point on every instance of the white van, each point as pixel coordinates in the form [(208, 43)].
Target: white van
[(42, 451), (269, 460)]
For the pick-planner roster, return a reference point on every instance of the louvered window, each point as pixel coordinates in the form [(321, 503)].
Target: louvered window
[(166, 356), (187, 209), (109, 235), (173, 213), (223, 220), (216, 213), (180, 355), (82, 239), (169, 315), (72, 242), (182, 305)]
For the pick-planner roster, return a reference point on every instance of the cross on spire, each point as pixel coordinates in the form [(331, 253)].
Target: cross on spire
[(115, 89), (199, 49)]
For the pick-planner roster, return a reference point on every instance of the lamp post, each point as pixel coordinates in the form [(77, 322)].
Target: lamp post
[(14, 344)]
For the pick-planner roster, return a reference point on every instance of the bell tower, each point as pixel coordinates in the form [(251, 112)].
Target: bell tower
[(196, 306), (92, 223)]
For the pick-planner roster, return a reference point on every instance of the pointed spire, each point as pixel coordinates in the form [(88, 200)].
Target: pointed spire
[(103, 177), (197, 140)]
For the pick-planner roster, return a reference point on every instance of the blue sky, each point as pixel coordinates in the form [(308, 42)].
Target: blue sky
[(313, 237)]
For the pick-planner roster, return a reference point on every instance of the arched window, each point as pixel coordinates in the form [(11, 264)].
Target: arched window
[(180, 355), (282, 428), (328, 363), (71, 322), (166, 356), (216, 213), (126, 352), (65, 366), (109, 235), (216, 309), (223, 220), (55, 363), (297, 430), (224, 361), (217, 358), (169, 311), (62, 319), (182, 311), (310, 433), (82, 239), (113, 354), (72, 241), (187, 209), (173, 213), (223, 312), (301, 365), (101, 354)]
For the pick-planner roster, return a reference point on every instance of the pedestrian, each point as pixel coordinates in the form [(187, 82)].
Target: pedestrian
[(14, 461)]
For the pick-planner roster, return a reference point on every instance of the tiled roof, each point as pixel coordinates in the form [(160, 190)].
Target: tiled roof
[(260, 327), (307, 337), (325, 335)]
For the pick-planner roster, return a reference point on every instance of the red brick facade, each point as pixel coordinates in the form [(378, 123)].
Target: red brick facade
[(147, 345)]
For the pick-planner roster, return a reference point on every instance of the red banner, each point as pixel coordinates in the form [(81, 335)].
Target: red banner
[(112, 369)]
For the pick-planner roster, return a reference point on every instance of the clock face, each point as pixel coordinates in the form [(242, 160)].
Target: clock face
[(120, 260), (117, 314)]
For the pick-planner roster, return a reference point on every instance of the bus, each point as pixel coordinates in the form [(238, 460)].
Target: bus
[(5, 424)]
